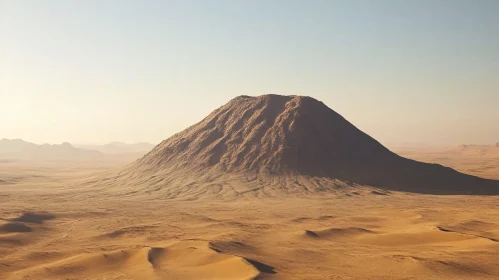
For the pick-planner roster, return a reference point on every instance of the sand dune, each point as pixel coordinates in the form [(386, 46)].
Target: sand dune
[(337, 232), (94, 236), (183, 260)]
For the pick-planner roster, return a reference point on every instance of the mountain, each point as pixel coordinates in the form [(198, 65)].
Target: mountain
[(18, 149), (274, 137), (120, 148), (497, 144)]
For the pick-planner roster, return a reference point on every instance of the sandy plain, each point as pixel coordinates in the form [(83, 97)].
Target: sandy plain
[(54, 224)]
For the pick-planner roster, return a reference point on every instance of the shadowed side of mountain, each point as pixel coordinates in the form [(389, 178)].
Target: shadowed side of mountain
[(408, 175)]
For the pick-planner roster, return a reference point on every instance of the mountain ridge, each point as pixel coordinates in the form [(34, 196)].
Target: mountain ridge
[(18, 149)]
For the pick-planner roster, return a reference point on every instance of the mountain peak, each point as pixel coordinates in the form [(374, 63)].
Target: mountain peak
[(67, 145), (276, 99), (271, 133)]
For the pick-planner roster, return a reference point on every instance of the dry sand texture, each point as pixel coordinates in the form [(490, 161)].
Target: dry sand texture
[(188, 209)]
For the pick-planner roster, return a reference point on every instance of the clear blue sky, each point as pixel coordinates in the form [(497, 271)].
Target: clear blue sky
[(93, 71)]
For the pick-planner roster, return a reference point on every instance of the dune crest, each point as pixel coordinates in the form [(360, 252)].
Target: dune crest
[(182, 260)]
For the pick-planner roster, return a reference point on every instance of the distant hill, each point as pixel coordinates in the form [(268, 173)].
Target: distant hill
[(18, 149), (497, 144), (120, 148)]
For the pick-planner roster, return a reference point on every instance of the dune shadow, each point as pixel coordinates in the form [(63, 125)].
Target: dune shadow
[(33, 218), (261, 266), (311, 233), (15, 227)]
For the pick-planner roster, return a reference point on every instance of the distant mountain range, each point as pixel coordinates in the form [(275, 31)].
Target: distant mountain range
[(18, 149)]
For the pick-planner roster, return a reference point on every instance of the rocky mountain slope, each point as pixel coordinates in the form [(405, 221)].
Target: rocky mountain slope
[(282, 136)]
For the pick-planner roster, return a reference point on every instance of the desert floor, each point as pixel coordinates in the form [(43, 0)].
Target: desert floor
[(54, 227)]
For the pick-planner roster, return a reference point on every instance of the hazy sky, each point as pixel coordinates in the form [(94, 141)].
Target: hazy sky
[(97, 71)]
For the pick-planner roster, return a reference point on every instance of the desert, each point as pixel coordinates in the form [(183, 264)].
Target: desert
[(252, 192), (249, 140)]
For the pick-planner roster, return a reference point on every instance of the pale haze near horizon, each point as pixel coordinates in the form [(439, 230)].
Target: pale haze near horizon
[(418, 72)]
